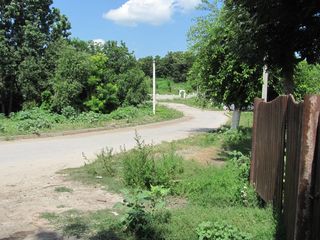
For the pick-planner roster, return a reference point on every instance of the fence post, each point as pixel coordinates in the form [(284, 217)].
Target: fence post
[(257, 101), (310, 118)]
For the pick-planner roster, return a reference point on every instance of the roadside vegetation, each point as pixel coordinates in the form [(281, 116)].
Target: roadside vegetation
[(197, 103), (170, 193), (38, 121), (168, 86)]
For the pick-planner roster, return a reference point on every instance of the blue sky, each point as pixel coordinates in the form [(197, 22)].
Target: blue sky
[(148, 27)]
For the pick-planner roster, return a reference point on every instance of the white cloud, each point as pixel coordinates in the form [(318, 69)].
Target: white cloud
[(187, 5), (99, 41), (153, 12)]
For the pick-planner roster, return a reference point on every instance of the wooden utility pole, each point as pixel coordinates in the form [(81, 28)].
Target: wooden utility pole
[(154, 87), (265, 83)]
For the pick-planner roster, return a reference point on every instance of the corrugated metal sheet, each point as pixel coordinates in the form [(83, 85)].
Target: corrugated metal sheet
[(268, 149), (294, 128), (310, 118), (283, 125)]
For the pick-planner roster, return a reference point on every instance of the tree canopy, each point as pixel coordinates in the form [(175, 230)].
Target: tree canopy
[(226, 68), (41, 66), (285, 32), (174, 65), (27, 28), (225, 73)]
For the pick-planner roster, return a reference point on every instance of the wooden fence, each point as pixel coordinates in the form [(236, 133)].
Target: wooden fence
[(285, 165)]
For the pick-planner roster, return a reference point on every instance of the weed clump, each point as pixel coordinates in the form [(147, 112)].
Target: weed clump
[(142, 169), (146, 217), (220, 231)]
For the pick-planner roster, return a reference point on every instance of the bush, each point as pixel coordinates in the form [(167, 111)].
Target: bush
[(35, 119), (220, 231), (69, 112), (242, 162), (124, 113), (146, 216), (168, 167), (34, 126), (2, 128), (91, 117), (139, 166), (142, 169), (105, 163)]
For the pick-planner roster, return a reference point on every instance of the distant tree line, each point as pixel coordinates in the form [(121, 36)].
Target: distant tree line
[(174, 66), (40, 66)]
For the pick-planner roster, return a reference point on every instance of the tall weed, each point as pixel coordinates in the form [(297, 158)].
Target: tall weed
[(142, 168)]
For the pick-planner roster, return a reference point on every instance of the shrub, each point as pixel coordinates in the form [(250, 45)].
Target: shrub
[(242, 162), (124, 113), (145, 217), (168, 167), (139, 166), (220, 231), (142, 169), (2, 128), (69, 112), (106, 162), (34, 126), (91, 117)]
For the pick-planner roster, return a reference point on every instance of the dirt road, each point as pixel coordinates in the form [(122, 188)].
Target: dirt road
[(28, 167)]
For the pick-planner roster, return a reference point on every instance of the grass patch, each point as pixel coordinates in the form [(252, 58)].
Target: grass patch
[(197, 103), (38, 121), (63, 190), (217, 200), (258, 223), (167, 86), (49, 216)]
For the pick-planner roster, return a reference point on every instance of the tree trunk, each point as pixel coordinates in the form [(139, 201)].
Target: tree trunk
[(3, 108), (10, 102), (235, 118), (288, 83)]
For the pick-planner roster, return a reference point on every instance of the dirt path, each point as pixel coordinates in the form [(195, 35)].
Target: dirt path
[(28, 178)]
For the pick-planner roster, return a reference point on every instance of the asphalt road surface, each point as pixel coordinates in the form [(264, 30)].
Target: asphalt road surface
[(27, 165)]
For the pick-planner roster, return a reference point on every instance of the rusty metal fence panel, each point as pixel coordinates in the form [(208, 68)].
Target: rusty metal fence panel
[(294, 125), (316, 191), (286, 125), (310, 121), (268, 149)]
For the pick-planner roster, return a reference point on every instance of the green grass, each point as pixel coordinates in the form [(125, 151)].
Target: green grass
[(213, 194), (167, 86), (258, 222), (41, 122), (63, 190)]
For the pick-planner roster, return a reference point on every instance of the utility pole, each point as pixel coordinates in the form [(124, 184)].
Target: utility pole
[(154, 87), (265, 83)]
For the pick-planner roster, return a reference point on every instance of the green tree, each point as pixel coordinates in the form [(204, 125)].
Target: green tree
[(146, 65), (177, 65), (102, 86), (225, 73), (306, 79), (70, 78), (27, 28), (286, 32), (115, 78), (133, 87)]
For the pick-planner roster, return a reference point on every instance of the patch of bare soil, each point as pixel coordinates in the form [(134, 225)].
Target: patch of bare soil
[(205, 156), (21, 205)]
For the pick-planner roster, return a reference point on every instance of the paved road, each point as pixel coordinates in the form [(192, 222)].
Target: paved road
[(18, 158), (27, 167)]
